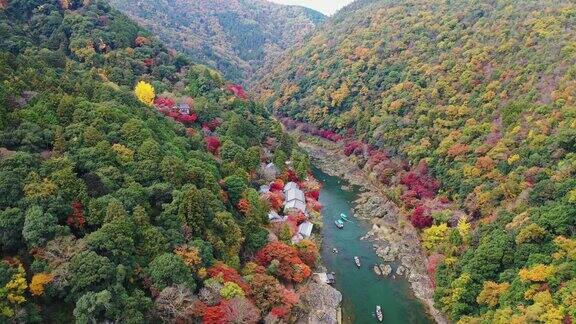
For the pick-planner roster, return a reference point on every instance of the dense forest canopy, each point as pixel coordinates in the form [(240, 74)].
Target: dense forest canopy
[(128, 176), (137, 186), (235, 36), (478, 99)]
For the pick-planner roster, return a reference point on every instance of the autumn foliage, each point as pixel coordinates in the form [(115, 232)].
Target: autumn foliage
[(190, 255), (164, 102), (276, 200), (420, 182), (237, 90), (141, 41), (268, 293), (214, 315), (421, 217), (228, 274), (76, 218), (277, 185), (212, 125), (290, 266), (145, 93), (244, 206), (39, 281), (308, 252), (212, 144)]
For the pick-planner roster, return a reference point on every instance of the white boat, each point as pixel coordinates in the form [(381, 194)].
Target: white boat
[(379, 313), (357, 261)]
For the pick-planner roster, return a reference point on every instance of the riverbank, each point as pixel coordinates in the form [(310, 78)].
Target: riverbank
[(395, 240)]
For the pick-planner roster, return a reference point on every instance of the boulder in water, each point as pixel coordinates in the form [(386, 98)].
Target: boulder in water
[(401, 270), (377, 270), (386, 269)]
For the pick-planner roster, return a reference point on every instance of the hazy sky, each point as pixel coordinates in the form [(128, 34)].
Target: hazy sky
[(327, 7)]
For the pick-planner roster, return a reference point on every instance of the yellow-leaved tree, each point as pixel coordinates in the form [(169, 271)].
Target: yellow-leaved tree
[(145, 92), (537, 273), (463, 229), (491, 292), (39, 281), (12, 293), (435, 236)]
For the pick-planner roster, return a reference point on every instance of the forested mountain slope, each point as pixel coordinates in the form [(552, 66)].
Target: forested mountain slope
[(127, 176), (235, 36), (480, 95)]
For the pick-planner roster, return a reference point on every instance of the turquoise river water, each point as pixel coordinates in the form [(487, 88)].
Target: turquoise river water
[(361, 289)]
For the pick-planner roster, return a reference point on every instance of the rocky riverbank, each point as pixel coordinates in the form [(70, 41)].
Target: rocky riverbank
[(395, 240), (320, 302)]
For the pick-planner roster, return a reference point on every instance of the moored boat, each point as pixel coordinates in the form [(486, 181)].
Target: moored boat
[(379, 313), (339, 223), (344, 217), (357, 261)]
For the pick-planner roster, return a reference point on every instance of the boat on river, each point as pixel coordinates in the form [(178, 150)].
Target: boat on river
[(339, 223), (357, 261), (379, 313), (344, 217)]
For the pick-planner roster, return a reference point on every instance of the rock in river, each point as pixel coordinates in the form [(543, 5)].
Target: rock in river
[(386, 269), (401, 270)]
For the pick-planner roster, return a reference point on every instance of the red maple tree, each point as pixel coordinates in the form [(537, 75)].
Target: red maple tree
[(290, 267), (237, 90), (214, 315), (421, 217), (277, 185), (276, 200), (228, 274), (187, 119), (212, 144), (244, 206), (76, 218), (308, 252)]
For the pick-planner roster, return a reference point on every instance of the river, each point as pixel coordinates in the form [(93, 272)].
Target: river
[(361, 289)]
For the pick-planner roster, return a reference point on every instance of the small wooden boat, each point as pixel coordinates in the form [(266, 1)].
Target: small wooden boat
[(339, 223), (379, 313), (344, 217), (357, 261)]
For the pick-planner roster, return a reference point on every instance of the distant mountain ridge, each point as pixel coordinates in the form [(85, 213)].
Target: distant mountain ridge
[(237, 37)]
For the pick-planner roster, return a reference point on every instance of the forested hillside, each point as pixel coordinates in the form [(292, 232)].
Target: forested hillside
[(465, 111), (235, 36), (127, 179)]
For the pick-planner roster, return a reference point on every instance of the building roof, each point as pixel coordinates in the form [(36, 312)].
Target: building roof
[(295, 194), (327, 278), (305, 229), (274, 217), (295, 204), (291, 185), (183, 107)]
